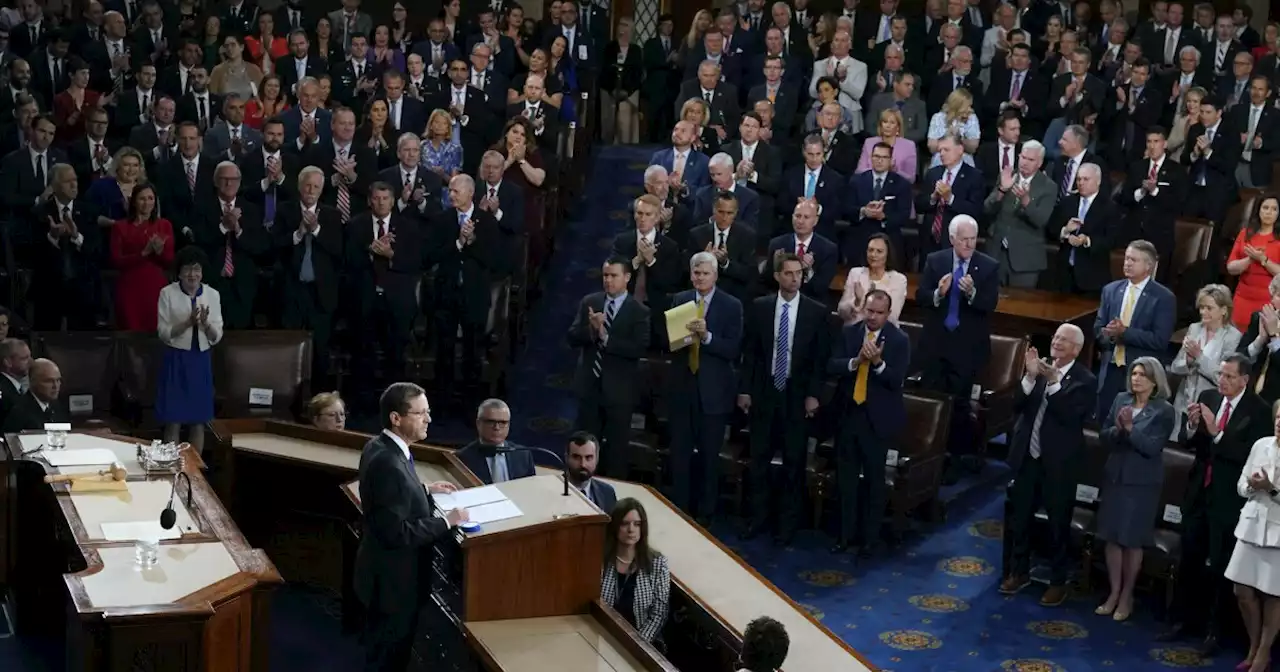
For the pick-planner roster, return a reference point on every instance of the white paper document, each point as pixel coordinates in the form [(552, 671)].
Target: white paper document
[(489, 513), (468, 498), (79, 458), (145, 529)]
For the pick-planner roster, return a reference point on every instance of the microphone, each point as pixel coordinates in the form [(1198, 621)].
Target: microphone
[(564, 467), (169, 517)]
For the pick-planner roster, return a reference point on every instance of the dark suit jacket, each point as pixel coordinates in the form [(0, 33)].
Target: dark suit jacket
[(253, 169), (187, 110), (64, 266), (1126, 131), (322, 155), (246, 248), (548, 136), (511, 224), (1103, 223), (479, 130), (1062, 443), (968, 195), (748, 204), (1250, 420), (885, 406), (400, 279), (326, 251), (826, 256), (1153, 217), (1270, 391), (1150, 327), (738, 276), (1268, 128), (724, 105), (1059, 167), (716, 383), (476, 263), (182, 205), (21, 186), (896, 194), (519, 462), (988, 160), (1220, 166), (666, 275), (26, 415), (829, 192), (78, 154), (287, 69), (1035, 90), (393, 563), (810, 343), (292, 119), (786, 102), (968, 347), (603, 495), (695, 166), (1094, 93), (628, 342), (944, 84), (424, 179)]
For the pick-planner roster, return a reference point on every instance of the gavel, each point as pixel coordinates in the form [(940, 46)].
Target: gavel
[(116, 472)]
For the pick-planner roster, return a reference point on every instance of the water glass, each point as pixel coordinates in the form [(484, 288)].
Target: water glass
[(146, 552), (56, 440)]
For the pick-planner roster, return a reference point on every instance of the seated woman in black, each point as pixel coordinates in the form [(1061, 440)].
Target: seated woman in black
[(636, 580)]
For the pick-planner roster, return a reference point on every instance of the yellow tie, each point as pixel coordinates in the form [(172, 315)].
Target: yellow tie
[(864, 372), (1126, 314), (697, 344)]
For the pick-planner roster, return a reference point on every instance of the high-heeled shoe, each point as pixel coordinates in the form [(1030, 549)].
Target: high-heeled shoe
[(1121, 615), (1105, 610)]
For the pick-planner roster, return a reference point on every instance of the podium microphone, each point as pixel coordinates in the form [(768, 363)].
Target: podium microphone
[(564, 467), (169, 517)]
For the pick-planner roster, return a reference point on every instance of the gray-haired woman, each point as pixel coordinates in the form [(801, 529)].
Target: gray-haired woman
[(1205, 345), (1135, 431)]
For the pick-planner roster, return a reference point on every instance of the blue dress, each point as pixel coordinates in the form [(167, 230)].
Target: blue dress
[(184, 393)]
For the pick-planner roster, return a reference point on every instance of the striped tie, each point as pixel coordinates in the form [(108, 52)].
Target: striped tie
[(191, 177), (781, 351), (344, 193), (598, 366), (228, 262)]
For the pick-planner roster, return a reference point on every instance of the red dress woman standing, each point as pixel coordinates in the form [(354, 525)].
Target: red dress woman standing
[(142, 250), (524, 167), (1255, 258), (71, 106)]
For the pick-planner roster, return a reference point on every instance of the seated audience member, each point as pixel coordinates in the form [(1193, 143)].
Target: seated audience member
[(635, 580), (491, 457), (1204, 347), (582, 455), (1140, 420), (879, 274), (764, 646), (327, 411), (15, 370), (190, 323), (142, 251), (41, 404)]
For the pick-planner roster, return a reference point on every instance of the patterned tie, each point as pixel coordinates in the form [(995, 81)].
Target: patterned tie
[(1126, 314), (228, 263), (782, 350), (864, 373), (942, 210), (952, 321), (344, 193), (878, 189), (1005, 160), (1034, 448), (307, 273), (1067, 182), (40, 174), (697, 343), (1017, 86), (597, 367), (191, 176)]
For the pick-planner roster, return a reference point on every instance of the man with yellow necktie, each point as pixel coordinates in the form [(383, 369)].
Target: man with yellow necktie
[(702, 383), (870, 360), (1135, 319)]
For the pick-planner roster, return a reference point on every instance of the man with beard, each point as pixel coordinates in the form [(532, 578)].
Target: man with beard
[(580, 457)]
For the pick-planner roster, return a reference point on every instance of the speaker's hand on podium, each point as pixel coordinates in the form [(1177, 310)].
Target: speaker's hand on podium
[(457, 516), (441, 488)]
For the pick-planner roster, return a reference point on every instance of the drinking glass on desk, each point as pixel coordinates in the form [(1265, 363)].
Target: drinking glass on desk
[(55, 439), (146, 552)]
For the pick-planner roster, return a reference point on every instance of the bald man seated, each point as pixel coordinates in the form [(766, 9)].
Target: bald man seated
[(40, 404)]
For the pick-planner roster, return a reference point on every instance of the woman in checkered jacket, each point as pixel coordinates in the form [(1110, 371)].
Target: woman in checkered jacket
[(636, 580)]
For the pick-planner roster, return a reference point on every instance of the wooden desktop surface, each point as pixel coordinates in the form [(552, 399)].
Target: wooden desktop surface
[(577, 643)]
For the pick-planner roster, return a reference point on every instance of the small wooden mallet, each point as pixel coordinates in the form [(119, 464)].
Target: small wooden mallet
[(116, 472)]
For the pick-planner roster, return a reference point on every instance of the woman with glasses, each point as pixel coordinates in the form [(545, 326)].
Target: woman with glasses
[(328, 411), (189, 324)]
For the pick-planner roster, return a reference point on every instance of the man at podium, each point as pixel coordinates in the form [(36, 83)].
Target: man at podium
[(490, 457), (399, 530)]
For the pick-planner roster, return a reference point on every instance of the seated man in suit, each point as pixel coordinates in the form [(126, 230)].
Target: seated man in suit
[(40, 404), (818, 255), (490, 457), (580, 456)]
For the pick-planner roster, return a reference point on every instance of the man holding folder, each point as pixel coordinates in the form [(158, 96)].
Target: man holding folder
[(704, 331)]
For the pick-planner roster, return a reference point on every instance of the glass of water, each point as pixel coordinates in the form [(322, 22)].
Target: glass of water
[(56, 439), (146, 552)]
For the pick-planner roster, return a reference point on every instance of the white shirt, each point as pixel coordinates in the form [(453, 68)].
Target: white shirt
[(297, 237), (115, 47), (793, 308), (1029, 384), (1232, 403), (40, 161), (404, 447), (183, 73), (1136, 291)]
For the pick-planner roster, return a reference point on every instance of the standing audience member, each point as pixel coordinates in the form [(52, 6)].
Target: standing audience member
[(1135, 431), (65, 280), (1019, 209), (1135, 319), (1205, 346), (1257, 553), (308, 237), (142, 251), (1255, 259), (1261, 343), (190, 323)]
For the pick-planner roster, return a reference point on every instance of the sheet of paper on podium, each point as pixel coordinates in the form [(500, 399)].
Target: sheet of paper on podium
[(469, 497), (677, 318), (493, 512), (79, 458), (145, 529)]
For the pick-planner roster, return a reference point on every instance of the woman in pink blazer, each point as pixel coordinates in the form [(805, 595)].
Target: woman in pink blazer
[(889, 130)]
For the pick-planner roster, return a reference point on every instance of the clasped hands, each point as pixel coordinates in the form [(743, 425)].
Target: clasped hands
[(383, 246), (1200, 414), (1114, 329), (966, 285), (199, 316), (467, 233), (1036, 367)]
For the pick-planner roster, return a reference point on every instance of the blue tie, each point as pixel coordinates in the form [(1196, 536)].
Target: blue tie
[(269, 208), (780, 350), (308, 271), (462, 219), (810, 185), (953, 299)]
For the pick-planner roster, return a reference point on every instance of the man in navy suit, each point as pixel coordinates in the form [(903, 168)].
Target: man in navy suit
[(580, 458), (879, 201), (687, 167), (723, 181), (948, 191), (1211, 155), (870, 361), (1135, 319), (813, 180), (405, 114), (306, 124), (702, 383), (491, 457), (958, 291), (819, 255), (1046, 453)]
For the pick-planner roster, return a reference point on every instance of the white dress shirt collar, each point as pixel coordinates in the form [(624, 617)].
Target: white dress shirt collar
[(404, 447)]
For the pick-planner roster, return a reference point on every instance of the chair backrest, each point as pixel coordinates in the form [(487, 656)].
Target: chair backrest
[(1192, 238), (1006, 363), (89, 365), (262, 372), (928, 422), (140, 355), (1177, 467)]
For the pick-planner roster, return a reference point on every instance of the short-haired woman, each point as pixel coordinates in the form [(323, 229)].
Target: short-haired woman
[(190, 323), (1135, 432), (635, 580), (1255, 561), (327, 410), (1204, 346)]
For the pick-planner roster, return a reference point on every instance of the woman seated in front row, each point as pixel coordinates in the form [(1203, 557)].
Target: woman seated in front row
[(327, 410), (636, 580)]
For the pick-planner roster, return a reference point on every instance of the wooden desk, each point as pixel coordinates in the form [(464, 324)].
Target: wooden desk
[(203, 606)]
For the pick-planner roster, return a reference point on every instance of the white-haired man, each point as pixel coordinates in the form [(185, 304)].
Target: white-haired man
[(233, 235), (1019, 209), (724, 180), (309, 235)]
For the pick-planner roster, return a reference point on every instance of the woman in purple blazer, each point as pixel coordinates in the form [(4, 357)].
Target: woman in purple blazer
[(889, 131)]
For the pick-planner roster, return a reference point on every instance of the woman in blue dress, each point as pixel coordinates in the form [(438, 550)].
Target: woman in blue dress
[(562, 65), (441, 150), (190, 323)]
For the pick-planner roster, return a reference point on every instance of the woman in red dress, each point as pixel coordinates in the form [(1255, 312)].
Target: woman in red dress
[(525, 167), (71, 106), (269, 102), (142, 250), (1255, 259), (266, 46)]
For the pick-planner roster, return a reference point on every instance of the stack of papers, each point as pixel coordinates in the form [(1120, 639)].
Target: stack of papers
[(485, 504), (79, 458)]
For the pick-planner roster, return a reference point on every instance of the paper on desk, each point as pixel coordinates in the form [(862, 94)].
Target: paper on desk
[(488, 513), (677, 318), (465, 499), (80, 458), (145, 529)]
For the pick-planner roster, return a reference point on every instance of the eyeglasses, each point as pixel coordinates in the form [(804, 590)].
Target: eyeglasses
[(336, 415), (493, 422)]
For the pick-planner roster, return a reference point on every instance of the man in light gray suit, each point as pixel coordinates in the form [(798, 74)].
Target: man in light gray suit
[(351, 17), (1019, 208), (915, 120), (230, 139)]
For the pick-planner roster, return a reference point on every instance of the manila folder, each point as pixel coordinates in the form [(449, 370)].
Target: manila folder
[(677, 318)]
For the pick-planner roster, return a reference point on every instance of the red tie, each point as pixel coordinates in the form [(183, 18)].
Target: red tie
[(1222, 427), (1152, 175), (799, 249), (937, 218)]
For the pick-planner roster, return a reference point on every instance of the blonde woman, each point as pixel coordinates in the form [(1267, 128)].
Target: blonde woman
[(1255, 561), (955, 118), (1183, 120), (697, 30), (441, 153), (1204, 347), (110, 194), (327, 411), (889, 131), (696, 111), (620, 80)]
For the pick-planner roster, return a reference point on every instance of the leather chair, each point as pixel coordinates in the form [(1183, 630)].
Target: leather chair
[(1238, 215), (1160, 562), (999, 380), (90, 371), (922, 453), (913, 330), (140, 354), (1192, 238), (250, 365)]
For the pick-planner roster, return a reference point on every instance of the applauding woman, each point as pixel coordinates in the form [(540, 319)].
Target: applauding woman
[(141, 250), (190, 322), (636, 580), (877, 274), (1255, 562), (1255, 259), (71, 106)]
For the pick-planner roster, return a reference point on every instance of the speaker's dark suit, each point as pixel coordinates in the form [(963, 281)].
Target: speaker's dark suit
[(189, 110), (1050, 479), (1217, 171), (1091, 267), (393, 562), (817, 282), (310, 304), (475, 455), (26, 414), (778, 391), (382, 291), (1153, 217), (896, 194), (702, 402), (868, 430), (606, 400), (765, 182), (1211, 506), (738, 273), (462, 289), (65, 278), (238, 291)]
